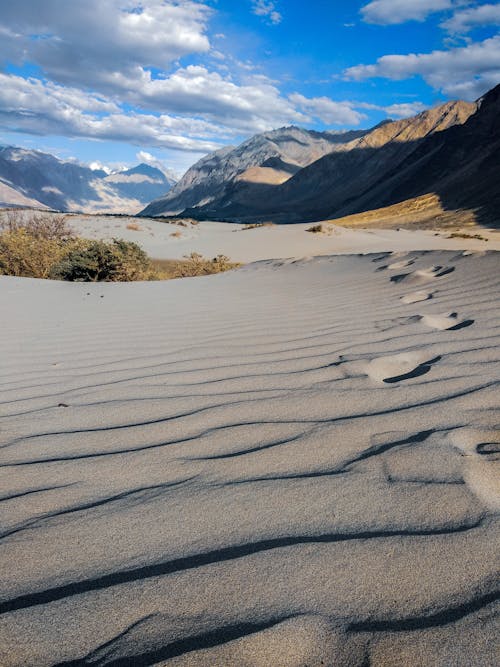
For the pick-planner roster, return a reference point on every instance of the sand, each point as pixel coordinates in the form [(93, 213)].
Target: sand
[(168, 241), (289, 464)]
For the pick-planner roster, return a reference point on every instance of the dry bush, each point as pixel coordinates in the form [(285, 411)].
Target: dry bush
[(462, 235), (316, 229), (176, 235), (256, 225), (193, 265), (48, 226), (23, 254), (134, 227)]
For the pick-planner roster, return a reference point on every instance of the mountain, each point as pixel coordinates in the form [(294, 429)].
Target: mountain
[(40, 180), (353, 176), (270, 158), (142, 182)]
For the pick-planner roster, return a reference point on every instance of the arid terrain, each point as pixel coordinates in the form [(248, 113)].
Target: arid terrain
[(294, 463)]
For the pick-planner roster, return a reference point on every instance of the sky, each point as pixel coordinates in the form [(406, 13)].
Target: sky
[(116, 82)]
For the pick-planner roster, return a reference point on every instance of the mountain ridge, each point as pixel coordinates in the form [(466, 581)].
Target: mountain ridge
[(41, 180), (329, 186)]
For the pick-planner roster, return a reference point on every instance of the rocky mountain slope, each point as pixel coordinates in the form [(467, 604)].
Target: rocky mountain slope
[(268, 158), (40, 180), (351, 178)]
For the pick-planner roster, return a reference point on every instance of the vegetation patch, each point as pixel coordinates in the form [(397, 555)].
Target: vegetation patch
[(192, 265), (256, 225), (463, 235), (317, 229), (39, 245)]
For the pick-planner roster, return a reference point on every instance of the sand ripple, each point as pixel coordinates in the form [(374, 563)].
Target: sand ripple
[(286, 465)]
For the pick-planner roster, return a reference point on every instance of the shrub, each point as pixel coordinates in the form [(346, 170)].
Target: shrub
[(193, 265), (95, 261), (134, 227), (37, 225), (23, 254), (316, 229)]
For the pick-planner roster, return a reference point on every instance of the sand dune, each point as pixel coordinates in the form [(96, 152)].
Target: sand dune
[(169, 241), (289, 465)]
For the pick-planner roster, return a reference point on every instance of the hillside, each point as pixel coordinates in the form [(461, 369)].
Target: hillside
[(268, 158), (338, 183)]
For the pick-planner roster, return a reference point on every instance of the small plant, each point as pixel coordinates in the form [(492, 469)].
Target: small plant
[(193, 265), (134, 227), (176, 235), (462, 235), (316, 229), (256, 225)]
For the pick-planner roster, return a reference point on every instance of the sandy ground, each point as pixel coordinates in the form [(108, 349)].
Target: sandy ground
[(292, 464), (278, 241)]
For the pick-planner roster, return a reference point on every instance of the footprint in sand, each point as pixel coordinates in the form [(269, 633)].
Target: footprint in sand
[(481, 452), (445, 321), (415, 297), (423, 275), (399, 367), (396, 266)]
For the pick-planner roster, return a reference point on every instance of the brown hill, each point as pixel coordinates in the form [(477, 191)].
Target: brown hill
[(334, 183)]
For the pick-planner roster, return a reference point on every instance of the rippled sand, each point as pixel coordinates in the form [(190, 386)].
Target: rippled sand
[(291, 464)]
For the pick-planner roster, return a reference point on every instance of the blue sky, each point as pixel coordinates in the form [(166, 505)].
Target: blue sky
[(166, 81)]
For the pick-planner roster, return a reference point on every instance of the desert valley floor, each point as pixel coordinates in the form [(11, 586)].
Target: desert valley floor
[(292, 464)]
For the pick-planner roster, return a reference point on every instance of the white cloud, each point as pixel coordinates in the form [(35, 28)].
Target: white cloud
[(467, 19), (401, 110), (46, 108), (328, 111), (99, 166), (390, 12), (404, 110), (256, 105), (268, 9), (108, 36), (30, 105), (465, 72)]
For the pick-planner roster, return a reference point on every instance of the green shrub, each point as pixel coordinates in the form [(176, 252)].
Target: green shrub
[(96, 261)]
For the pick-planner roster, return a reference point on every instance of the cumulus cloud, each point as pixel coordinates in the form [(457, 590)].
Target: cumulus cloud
[(97, 165), (36, 107), (109, 36), (401, 110), (255, 105), (45, 108), (473, 17), (390, 12), (328, 111), (268, 9), (466, 72)]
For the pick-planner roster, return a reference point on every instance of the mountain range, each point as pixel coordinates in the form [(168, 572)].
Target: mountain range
[(440, 165), (445, 159), (40, 180)]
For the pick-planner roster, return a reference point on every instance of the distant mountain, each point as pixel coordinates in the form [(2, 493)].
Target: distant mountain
[(142, 183), (270, 158), (352, 176), (40, 180)]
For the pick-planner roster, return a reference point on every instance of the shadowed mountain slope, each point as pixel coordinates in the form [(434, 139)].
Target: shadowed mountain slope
[(367, 173), (268, 158)]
